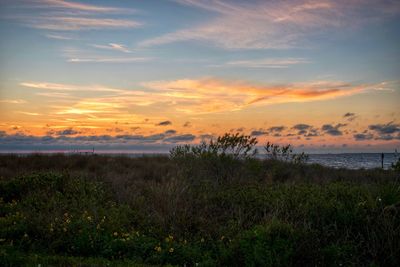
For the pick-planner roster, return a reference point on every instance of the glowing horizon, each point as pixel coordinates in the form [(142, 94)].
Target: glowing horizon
[(320, 75)]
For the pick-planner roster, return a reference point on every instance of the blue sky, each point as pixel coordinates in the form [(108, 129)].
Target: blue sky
[(220, 65)]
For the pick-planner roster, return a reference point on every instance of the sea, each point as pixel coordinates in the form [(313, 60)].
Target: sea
[(355, 160), (335, 160)]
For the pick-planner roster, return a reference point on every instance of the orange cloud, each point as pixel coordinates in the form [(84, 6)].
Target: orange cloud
[(190, 96), (214, 95), (13, 101)]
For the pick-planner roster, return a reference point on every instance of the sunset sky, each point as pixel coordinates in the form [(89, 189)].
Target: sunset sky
[(147, 75)]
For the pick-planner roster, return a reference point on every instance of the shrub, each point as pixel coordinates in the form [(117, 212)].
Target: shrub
[(272, 244), (229, 145), (396, 166), (220, 160), (284, 153)]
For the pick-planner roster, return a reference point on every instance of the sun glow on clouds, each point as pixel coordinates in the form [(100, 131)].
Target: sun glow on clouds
[(13, 101), (200, 96), (215, 95)]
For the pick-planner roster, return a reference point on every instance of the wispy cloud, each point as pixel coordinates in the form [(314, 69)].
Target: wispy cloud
[(73, 55), (13, 101), (113, 46), (215, 95), (91, 100), (84, 107), (272, 24), (109, 60), (58, 37), (195, 96), (55, 95), (28, 113), (61, 15), (65, 23), (69, 87), (83, 7), (274, 63)]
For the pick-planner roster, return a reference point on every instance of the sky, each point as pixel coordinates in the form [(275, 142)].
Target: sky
[(145, 76)]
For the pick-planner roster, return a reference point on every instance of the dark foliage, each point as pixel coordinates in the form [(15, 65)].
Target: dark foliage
[(208, 205)]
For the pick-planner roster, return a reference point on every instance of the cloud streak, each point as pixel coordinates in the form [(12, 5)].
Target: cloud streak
[(201, 96), (109, 60), (271, 63), (13, 101), (65, 23), (83, 7), (113, 46), (69, 87), (61, 15), (272, 24), (216, 95)]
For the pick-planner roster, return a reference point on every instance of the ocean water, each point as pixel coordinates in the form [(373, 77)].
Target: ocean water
[(341, 160), (354, 160)]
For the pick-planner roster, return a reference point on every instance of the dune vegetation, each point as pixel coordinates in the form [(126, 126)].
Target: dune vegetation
[(213, 204)]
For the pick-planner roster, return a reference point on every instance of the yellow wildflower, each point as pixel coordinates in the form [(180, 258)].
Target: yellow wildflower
[(115, 233), (157, 248), (171, 250)]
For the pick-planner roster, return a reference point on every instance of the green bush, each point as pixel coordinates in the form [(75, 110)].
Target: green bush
[(227, 158), (272, 244)]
